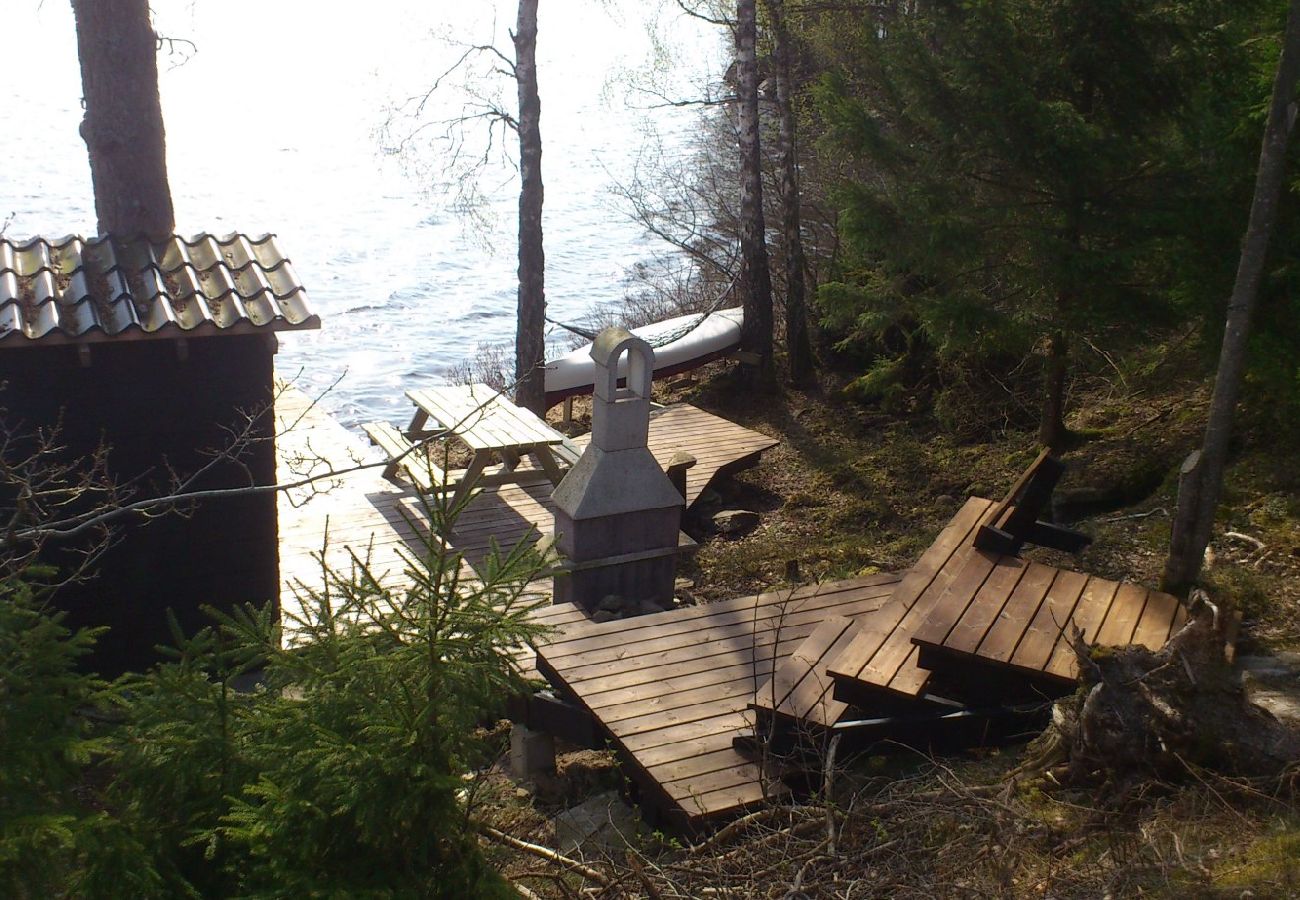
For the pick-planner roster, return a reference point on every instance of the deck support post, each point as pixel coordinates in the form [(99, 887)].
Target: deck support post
[(532, 753)]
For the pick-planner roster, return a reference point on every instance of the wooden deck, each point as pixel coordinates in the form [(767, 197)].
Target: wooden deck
[(881, 659), (962, 604), (800, 690), (360, 512), (1010, 614), (505, 515), (671, 690)]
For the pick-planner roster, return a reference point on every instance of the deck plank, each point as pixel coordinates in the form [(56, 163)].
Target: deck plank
[(1123, 616), (1039, 640), (812, 699), (1094, 604), (850, 663), (1157, 620), (672, 690), (1006, 632), (984, 609)]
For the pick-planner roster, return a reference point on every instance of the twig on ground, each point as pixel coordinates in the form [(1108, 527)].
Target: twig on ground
[(724, 834), (544, 853), (1158, 511)]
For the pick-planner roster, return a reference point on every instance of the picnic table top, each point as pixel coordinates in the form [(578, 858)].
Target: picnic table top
[(482, 417)]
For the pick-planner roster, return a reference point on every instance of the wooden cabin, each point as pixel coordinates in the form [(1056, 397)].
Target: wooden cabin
[(157, 351)]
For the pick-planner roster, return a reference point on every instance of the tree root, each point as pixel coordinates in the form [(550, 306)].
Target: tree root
[(1166, 713)]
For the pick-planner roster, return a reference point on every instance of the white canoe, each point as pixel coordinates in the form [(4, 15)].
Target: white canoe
[(703, 339)]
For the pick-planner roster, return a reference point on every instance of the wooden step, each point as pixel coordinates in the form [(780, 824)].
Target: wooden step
[(800, 689)]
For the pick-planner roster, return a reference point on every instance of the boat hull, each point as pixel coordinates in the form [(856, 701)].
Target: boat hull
[(715, 336)]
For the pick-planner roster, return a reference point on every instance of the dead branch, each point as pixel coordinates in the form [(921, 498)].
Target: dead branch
[(1259, 545), (724, 834), (545, 853)]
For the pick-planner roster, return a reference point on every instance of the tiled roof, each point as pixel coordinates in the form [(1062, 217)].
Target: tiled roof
[(114, 288)]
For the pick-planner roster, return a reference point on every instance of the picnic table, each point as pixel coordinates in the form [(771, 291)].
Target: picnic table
[(498, 433)]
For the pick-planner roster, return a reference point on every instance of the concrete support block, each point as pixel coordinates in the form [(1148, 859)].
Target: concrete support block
[(532, 753)]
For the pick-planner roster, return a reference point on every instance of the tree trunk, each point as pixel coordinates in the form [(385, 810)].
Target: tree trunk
[(797, 341), (1195, 516), (1051, 429), (756, 277), (530, 344), (123, 127)]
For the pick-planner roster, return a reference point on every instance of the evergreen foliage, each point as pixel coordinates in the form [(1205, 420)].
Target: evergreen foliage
[(1017, 165), (49, 740), (336, 766)]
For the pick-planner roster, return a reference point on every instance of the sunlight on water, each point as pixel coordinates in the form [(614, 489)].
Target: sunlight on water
[(273, 122)]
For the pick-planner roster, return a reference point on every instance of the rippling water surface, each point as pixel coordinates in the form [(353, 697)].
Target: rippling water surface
[(273, 124)]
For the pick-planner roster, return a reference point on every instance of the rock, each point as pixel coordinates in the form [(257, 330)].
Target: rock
[(602, 822), (611, 603), (604, 615), (735, 521), (648, 607), (1284, 705), (708, 499), (532, 753)]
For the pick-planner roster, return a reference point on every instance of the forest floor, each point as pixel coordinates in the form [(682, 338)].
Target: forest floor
[(854, 489)]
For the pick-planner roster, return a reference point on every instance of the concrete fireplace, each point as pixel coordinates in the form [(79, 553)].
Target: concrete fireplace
[(617, 513)]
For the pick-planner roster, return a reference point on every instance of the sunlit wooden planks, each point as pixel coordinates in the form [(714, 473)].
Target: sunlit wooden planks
[(881, 656), (672, 690), (1004, 612)]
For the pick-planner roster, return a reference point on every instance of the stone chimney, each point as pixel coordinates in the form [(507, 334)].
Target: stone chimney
[(617, 513)]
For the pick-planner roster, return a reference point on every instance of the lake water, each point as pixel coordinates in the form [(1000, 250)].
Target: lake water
[(273, 124)]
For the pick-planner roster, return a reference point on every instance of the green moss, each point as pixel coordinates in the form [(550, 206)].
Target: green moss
[(1271, 864), (1240, 588)]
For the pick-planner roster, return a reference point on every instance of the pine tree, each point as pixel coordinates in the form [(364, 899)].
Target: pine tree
[(756, 275), (123, 126), (343, 773), (1015, 157)]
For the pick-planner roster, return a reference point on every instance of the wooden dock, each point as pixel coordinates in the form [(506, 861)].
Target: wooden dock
[(357, 512), (361, 513), (671, 690), (505, 515)]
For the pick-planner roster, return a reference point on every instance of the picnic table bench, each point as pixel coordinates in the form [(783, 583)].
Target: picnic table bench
[(488, 424)]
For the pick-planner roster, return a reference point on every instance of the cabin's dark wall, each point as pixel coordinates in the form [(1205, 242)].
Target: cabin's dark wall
[(155, 407)]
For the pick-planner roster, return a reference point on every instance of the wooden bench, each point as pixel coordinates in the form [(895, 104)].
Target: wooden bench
[(404, 455), (882, 662), (568, 453), (1014, 522), (486, 422)]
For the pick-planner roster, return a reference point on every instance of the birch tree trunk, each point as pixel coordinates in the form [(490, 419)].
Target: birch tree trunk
[(797, 342), (123, 126), (1194, 520), (530, 345), (756, 277)]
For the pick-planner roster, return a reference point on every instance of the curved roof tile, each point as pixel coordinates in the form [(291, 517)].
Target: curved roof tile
[(74, 289)]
